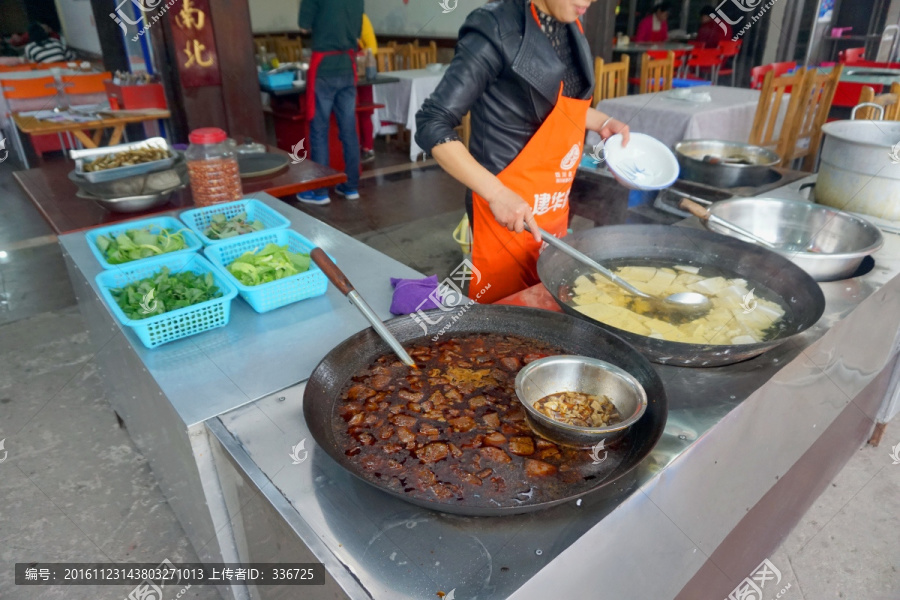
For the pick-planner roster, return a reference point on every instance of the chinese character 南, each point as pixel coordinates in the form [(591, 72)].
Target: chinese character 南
[(190, 17)]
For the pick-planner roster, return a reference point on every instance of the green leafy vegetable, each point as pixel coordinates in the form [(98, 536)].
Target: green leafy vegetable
[(163, 292), (221, 228), (269, 264), (135, 244)]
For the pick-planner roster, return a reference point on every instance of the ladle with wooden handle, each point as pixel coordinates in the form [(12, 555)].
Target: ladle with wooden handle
[(340, 281)]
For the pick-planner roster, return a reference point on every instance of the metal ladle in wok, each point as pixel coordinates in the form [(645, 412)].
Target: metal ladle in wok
[(688, 304)]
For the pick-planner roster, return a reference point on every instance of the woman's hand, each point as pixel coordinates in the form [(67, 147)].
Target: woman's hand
[(613, 127), (512, 212)]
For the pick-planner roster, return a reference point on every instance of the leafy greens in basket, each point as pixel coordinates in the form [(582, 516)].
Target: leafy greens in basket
[(163, 292), (271, 263), (135, 244), (221, 227)]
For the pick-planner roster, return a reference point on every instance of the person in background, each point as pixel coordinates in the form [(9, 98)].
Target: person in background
[(710, 33), (655, 26), (367, 41), (43, 48), (331, 85)]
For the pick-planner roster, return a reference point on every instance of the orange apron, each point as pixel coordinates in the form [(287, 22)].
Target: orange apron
[(542, 175)]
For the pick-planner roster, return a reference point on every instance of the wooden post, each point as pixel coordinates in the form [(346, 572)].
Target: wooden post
[(203, 50)]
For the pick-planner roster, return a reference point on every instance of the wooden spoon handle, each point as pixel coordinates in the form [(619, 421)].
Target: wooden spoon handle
[(331, 270), (701, 212)]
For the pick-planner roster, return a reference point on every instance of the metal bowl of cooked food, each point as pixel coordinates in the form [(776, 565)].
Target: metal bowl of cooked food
[(579, 401)]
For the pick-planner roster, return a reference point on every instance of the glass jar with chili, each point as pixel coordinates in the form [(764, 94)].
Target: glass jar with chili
[(212, 167)]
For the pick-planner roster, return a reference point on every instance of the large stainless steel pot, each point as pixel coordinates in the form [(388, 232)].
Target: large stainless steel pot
[(725, 164), (826, 243), (860, 168), (681, 245)]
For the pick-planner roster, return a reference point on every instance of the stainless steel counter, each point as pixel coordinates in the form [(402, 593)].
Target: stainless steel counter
[(740, 439), (166, 394)]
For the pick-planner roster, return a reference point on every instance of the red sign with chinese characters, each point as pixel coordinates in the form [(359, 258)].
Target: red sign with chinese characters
[(195, 44)]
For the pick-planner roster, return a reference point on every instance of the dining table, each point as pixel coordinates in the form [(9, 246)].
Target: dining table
[(57, 198), (866, 75), (711, 112), (88, 131), (402, 100)]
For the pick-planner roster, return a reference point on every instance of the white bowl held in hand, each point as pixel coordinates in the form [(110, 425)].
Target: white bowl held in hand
[(644, 164)]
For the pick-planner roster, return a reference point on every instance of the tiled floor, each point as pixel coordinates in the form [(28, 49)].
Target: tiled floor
[(73, 487)]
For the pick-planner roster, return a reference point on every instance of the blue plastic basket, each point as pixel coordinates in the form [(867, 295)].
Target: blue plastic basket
[(198, 219), (155, 224), (277, 81), (275, 294), (175, 324)]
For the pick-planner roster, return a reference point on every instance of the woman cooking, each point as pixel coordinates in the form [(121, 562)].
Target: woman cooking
[(525, 71)]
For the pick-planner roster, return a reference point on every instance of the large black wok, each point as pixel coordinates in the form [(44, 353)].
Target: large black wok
[(695, 247), (575, 336)]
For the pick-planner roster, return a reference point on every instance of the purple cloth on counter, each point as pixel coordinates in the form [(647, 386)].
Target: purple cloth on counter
[(411, 295)]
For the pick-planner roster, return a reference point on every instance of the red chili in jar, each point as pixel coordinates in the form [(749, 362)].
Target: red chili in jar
[(213, 168)]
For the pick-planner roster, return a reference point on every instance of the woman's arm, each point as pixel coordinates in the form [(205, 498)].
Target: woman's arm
[(606, 126), (508, 208)]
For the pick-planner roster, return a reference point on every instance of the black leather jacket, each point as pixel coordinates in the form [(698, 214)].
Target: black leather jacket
[(506, 72)]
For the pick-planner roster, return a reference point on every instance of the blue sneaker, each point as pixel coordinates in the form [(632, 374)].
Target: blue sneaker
[(314, 198), (347, 192)]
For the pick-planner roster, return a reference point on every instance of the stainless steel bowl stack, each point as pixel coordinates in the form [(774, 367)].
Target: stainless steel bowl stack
[(136, 192), (568, 373)]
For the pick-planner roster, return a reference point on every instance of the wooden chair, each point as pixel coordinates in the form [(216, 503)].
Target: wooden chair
[(890, 102), (417, 57), (611, 80), (851, 55), (681, 57), (768, 129), (465, 129), (385, 58), (403, 57), (657, 75), (288, 50), (817, 96)]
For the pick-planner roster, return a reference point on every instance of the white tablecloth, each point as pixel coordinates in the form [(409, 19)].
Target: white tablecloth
[(728, 117), (402, 100)]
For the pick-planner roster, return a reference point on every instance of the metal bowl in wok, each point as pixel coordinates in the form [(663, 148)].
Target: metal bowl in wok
[(725, 164), (555, 374), (827, 243), (682, 245)]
